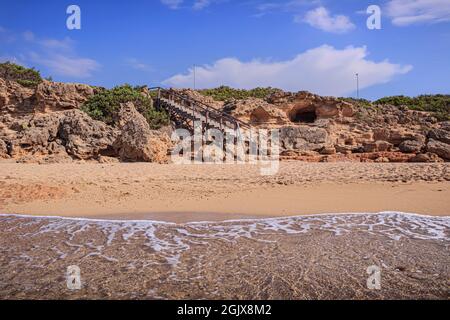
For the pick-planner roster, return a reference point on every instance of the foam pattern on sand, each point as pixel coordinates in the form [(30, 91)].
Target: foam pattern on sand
[(170, 240)]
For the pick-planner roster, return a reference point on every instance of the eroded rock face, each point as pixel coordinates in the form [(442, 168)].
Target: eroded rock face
[(440, 135), (55, 96), (426, 157), (301, 106), (256, 112), (411, 146), (3, 150), (85, 138), (442, 149), (136, 142), (15, 99), (377, 146), (303, 138), (45, 125)]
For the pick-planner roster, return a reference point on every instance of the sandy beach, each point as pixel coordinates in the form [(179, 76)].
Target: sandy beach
[(135, 231), (186, 193)]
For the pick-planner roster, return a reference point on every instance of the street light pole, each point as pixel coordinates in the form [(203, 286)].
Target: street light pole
[(194, 77), (357, 85)]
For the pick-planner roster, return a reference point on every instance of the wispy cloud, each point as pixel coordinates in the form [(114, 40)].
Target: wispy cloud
[(59, 56), (321, 18), (408, 12), (291, 6), (172, 4), (191, 4), (67, 66), (64, 44), (13, 59), (201, 4), (136, 64), (324, 70)]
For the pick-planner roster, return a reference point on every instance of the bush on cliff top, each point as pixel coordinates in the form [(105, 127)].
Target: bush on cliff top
[(225, 93), (24, 76), (439, 104), (104, 105)]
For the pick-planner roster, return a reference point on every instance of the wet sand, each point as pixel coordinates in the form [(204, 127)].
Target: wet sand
[(315, 257)]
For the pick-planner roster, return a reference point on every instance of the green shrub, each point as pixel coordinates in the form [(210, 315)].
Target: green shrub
[(225, 93), (105, 104), (438, 104), (24, 76), (358, 102)]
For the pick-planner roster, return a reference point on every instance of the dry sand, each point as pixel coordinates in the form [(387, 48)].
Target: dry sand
[(211, 192), (303, 257)]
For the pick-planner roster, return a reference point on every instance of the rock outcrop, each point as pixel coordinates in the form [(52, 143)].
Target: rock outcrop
[(45, 125), (303, 138), (136, 142), (85, 138), (54, 96), (442, 149), (316, 128)]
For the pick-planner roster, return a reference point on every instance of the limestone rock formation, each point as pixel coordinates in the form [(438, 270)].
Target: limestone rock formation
[(136, 142), (256, 112), (303, 138), (15, 99), (440, 135), (85, 138), (54, 96), (44, 125), (3, 150), (411, 146), (442, 149)]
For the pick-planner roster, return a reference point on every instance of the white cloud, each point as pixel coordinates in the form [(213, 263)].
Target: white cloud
[(320, 18), (60, 64), (59, 56), (201, 4), (280, 6), (407, 12), (12, 59), (192, 4), (324, 70), (64, 44), (172, 4), (136, 64)]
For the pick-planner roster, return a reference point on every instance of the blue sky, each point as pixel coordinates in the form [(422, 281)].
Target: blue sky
[(315, 45)]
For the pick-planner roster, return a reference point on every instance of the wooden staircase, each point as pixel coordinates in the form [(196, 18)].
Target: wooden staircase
[(185, 112)]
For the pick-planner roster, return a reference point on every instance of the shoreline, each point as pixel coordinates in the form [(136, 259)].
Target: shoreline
[(237, 221), (284, 258)]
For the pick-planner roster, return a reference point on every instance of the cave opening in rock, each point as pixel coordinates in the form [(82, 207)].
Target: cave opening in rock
[(304, 116)]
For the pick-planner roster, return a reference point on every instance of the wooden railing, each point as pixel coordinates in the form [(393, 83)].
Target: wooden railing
[(199, 107)]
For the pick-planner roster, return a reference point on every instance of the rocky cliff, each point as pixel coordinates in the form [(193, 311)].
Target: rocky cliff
[(315, 128), (45, 125)]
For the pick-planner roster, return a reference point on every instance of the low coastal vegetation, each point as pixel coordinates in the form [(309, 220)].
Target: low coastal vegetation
[(224, 93), (439, 104), (105, 104), (27, 77)]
